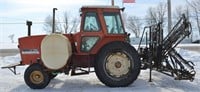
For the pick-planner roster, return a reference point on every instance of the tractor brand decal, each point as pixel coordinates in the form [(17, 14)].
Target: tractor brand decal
[(30, 51)]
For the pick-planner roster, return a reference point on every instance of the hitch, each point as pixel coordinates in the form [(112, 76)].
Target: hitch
[(12, 68)]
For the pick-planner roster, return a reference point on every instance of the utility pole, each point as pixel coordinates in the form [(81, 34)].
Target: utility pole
[(112, 2), (169, 15)]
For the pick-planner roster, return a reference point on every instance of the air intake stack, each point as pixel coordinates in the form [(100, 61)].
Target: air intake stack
[(29, 23)]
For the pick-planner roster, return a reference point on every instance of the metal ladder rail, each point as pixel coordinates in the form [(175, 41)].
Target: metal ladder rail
[(185, 69), (178, 57), (182, 68), (178, 33), (182, 19), (174, 40)]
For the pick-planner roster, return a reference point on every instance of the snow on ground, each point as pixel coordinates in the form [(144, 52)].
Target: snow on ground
[(89, 83)]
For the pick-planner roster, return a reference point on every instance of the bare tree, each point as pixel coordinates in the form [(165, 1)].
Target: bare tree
[(75, 24), (49, 23), (66, 25), (195, 5), (179, 11), (124, 18), (134, 24), (11, 37), (156, 14), (61, 26)]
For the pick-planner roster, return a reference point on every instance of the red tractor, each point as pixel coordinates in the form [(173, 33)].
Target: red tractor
[(102, 43)]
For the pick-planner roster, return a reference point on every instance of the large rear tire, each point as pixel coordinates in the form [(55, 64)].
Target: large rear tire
[(35, 77), (117, 64)]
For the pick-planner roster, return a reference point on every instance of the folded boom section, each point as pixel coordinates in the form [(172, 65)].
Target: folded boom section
[(160, 54)]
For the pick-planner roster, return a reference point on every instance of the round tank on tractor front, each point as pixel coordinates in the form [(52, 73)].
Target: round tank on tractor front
[(55, 51)]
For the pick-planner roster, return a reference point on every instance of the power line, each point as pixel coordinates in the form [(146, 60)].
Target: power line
[(10, 18), (25, 23), (42, 22), (13, 23)]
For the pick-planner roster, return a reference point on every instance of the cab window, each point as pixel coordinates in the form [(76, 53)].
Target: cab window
[(88, 43), (113, 23), (91, 22)]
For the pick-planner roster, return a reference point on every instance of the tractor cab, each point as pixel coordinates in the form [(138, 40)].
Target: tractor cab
[(99, 26)]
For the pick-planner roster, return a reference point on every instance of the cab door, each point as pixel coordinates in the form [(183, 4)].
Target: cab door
[(91, 33)]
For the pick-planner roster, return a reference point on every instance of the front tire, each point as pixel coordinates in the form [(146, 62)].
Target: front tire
[(117, 64), (35, 77)]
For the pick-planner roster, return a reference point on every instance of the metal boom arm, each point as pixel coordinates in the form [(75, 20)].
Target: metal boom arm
[(160, 53)]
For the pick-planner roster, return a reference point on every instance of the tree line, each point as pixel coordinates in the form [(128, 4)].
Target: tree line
[(132, 23), (159, 14)]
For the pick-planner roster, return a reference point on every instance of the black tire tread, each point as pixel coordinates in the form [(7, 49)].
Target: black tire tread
[(27, 80), (99, 65)]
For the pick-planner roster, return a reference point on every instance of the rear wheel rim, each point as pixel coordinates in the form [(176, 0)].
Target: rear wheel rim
[(36, 77), (118, 64)]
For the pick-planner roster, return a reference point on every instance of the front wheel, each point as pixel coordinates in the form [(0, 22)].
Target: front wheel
[(117, 65), (35, 77)]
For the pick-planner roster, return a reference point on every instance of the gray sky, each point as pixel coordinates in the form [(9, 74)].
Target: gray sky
[(14, 13)]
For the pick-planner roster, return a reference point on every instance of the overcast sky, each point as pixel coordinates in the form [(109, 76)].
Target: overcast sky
[(14, 13)]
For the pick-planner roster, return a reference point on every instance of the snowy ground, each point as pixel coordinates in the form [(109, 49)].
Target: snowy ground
[(89, 83)]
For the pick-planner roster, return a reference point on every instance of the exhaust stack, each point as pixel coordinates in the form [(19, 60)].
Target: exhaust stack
[(29, 23), (53, 27)]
